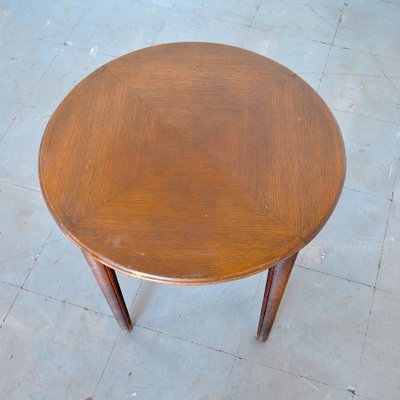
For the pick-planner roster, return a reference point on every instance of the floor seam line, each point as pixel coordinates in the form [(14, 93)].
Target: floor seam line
[(22, 286), (373, 297), (205, 346), (116, 340), (291, 373), (229, 377), (366, 116), (335, 276), (38, 256), (251, 26), (107, 362), (330, 47), (68, 302), (10, 308), (20, 186), (208, 17)]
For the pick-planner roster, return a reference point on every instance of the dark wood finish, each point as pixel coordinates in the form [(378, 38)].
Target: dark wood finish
[(277, 280), (192, 163), (108, 283)]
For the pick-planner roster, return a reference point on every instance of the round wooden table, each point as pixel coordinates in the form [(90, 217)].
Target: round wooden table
[(192, 163)]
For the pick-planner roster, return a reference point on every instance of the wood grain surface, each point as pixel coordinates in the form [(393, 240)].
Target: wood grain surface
[(192, 163)]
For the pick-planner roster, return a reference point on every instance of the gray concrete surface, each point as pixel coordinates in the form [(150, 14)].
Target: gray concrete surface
[(337, 332)]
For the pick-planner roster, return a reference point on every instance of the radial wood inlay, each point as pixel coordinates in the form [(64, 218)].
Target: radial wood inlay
[(192, 163)]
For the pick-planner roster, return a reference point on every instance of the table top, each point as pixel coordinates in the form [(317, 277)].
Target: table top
[(192, 163)]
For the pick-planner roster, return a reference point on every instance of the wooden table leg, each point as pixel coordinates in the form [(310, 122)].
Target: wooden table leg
[(277, 280), (107, 280)]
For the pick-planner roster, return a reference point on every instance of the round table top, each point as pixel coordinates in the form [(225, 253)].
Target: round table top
[(192, 163)]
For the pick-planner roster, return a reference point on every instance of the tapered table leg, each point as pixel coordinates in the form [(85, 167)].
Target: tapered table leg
[(277, 280), (107, 280)]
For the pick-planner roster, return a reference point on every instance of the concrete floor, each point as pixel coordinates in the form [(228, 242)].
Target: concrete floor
[(337, 332)]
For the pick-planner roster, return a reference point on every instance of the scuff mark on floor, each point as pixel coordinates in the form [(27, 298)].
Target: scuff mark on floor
[(310, 383), (364, 215), (93, 51)]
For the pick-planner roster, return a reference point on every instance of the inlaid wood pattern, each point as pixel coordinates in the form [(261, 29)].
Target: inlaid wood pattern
[(192, 163)]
